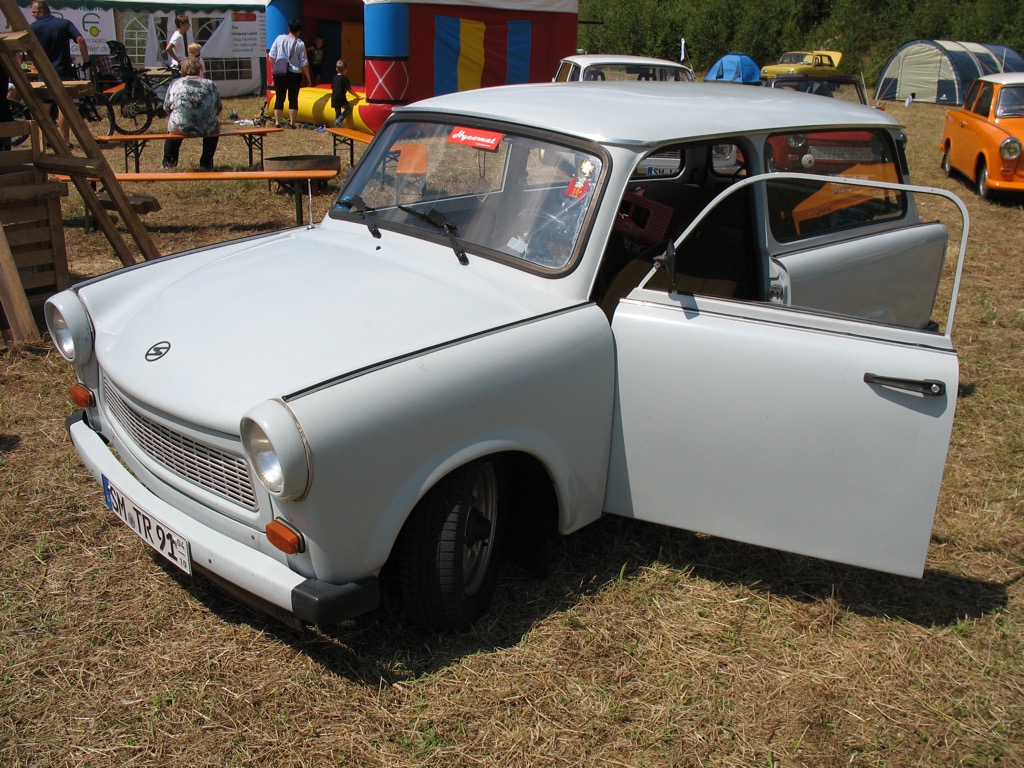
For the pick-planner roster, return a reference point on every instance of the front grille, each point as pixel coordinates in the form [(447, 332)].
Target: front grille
[(219, 472)]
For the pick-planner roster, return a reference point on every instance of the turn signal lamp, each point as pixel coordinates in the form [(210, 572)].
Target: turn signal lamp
[(284, 537), (82, 396)]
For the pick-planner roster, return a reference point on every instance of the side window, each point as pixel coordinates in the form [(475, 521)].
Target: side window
[(728, 160), (972, 95), (799, 209), (567, 72), (984, 103), (660, 163)]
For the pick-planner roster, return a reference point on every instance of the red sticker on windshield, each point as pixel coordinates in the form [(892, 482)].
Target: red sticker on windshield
[(473, 137)]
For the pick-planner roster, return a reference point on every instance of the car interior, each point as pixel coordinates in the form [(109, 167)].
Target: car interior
[(718, 258)]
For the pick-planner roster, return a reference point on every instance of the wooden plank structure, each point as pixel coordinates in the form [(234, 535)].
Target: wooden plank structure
[(33, 266), (33, 260)]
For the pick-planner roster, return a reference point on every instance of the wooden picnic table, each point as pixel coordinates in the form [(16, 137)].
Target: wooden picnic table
[(347, 137), (134, 143)]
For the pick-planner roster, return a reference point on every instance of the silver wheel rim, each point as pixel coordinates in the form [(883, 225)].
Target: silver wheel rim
[(480, 523)]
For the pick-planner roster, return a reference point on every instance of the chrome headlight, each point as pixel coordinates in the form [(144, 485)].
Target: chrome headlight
[(69, 327), (276, 448), (796, 140), (1009, 149)]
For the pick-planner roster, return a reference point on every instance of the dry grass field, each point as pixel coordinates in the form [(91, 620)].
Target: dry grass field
[(644, 647)]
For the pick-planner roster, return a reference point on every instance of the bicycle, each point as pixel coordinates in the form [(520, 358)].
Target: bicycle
[(18, 112), (136, 99)]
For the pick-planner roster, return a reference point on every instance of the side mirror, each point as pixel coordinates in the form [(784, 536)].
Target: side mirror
[(668, 261)]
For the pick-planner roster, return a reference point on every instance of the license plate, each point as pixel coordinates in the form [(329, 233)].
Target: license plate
[(171, 544)]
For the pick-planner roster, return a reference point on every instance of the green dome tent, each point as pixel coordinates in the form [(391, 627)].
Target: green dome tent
[(941, 71)]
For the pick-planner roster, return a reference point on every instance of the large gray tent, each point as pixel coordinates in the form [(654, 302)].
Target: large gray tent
[(941, 71)]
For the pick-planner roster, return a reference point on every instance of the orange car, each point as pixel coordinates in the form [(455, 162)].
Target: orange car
[(982, 139)]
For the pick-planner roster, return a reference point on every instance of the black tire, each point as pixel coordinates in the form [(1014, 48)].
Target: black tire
[(131, 110), (449, 549), (980, 181), (946, 167)]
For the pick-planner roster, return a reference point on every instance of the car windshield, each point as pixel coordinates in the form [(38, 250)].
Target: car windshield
[(1011, 102), (794, 58), (479, 189), (835, 89)]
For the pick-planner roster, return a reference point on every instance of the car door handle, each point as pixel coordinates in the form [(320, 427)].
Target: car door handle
[(930, 387)]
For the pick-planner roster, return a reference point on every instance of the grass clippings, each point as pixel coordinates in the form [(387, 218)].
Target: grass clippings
[(645, 647)]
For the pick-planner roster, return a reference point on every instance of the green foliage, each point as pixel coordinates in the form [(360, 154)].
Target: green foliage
[(866, 31)]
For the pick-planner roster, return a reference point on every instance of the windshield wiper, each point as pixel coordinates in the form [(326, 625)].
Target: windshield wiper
[(435, 218), (355, 203)]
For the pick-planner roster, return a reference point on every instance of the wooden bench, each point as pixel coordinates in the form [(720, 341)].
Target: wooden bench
[(348, 137), (309, 176), (133, 144)]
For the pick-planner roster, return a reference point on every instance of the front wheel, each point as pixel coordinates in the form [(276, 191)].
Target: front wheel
[(448, 550), (130, 110)]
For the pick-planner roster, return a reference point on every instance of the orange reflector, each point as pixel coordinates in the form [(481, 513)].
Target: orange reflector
[(284, 537), (81, 396)]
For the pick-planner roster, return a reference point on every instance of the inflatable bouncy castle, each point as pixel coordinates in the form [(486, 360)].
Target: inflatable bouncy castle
[(412, 50)]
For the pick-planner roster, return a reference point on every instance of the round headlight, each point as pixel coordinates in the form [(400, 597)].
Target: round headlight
[(69, 327), (1009, 149), (796, 140), (277, 450)]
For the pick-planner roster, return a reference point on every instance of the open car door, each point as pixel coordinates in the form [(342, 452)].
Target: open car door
[(804, 429)]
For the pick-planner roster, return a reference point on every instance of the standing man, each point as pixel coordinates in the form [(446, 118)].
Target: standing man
[(55, 35), (177, 48)]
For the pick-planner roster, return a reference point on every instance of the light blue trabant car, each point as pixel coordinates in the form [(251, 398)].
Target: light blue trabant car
[(505, 328)]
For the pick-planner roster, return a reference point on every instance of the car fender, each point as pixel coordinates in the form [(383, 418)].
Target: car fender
[(380, 439)]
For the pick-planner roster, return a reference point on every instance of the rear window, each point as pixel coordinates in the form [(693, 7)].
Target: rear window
[(803, 208)]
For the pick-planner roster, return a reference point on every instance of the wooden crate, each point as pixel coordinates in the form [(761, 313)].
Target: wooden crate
[(33, 227)]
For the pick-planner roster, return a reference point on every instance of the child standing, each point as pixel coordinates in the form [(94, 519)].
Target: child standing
[(316, 60), (341, 86), (175, 48), (195, 50)]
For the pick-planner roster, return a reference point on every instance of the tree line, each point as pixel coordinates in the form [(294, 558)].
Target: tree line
[(866, 31)]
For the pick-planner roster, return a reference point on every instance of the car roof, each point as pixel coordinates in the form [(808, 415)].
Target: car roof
[(1005, 78), (650, 113), (591, 59)]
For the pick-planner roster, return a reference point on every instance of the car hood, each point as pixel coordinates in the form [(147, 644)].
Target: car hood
[(271, 316)]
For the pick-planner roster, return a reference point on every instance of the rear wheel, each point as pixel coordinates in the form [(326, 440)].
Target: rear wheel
[(448, 550), (19, 112), (981, 181), (131, 110)]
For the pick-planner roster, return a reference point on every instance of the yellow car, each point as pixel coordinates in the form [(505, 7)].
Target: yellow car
[(804, 63), (983, 138)]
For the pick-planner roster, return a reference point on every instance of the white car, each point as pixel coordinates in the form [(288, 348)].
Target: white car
[(605, 67), (502, 331)]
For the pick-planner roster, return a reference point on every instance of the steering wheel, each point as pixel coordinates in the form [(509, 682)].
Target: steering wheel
[(546, 238)]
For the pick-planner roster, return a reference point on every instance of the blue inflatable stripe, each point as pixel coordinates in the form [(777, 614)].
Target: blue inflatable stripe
[(447, 45), (520, 38)]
